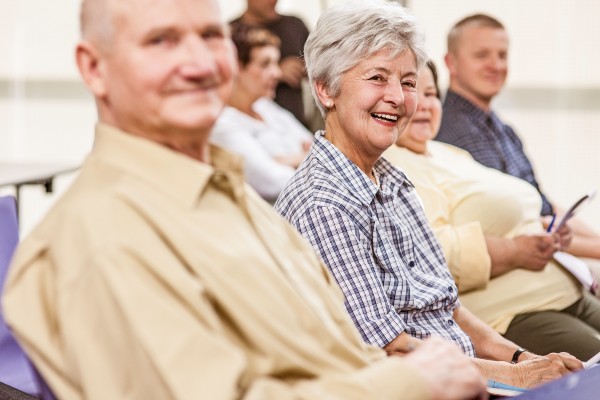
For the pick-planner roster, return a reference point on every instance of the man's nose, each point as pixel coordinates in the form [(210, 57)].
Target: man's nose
[(197, 57), (498, 62)]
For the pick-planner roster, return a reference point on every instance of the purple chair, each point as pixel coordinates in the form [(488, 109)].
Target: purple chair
[(18, 377), (15, 369)]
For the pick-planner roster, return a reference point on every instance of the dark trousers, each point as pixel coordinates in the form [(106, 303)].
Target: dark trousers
[(575, 330)]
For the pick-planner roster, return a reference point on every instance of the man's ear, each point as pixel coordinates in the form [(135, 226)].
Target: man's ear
[(91, 66), (323, 94), (450, 61)]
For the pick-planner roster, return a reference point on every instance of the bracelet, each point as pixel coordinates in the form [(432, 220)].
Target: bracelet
[(515, 357)]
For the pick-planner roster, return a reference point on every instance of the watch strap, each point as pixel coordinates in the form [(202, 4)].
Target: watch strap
[(515, 357)]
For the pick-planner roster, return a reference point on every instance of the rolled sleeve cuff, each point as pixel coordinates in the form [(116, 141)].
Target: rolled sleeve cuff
[(469, 260), (380, 332)]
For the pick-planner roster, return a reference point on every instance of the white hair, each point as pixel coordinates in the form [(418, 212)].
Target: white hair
[(352, 31)]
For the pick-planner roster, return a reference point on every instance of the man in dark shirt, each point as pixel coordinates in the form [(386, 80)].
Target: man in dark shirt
[(293, 33), (477, 62)]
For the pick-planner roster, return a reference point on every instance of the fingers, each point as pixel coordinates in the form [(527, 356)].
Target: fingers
[(565, 234), (543, 369), (449, 374), (571, 363)]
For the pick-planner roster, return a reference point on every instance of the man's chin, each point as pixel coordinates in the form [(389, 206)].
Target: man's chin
[(197, 124)]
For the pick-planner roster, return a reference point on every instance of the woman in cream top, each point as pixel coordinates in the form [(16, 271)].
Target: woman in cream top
[(271, 140), (489, 227)]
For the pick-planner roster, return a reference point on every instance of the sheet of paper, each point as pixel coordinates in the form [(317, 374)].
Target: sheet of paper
[(576, 267), (592, 361)]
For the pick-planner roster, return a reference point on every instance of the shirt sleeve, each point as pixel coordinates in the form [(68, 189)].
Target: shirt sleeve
[(464, 245), (348, 254), (145, 342), (267, 176)]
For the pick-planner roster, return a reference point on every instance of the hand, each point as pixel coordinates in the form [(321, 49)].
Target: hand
[(447, 372), (564, 236), (535, 370), (534, 251), (292, 71)]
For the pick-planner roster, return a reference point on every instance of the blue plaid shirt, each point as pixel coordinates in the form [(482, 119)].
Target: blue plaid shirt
[(378, 245), (489, 140)]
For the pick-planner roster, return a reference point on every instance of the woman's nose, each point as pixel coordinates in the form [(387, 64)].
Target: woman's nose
[(394, 93)]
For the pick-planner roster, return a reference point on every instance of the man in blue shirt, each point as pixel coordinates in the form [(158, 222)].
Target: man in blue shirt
[(477, 61)]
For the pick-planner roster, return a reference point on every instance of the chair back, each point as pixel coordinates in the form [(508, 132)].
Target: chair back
[(15, 368)]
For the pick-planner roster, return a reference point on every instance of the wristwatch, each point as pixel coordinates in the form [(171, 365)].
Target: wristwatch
[(515, 357)]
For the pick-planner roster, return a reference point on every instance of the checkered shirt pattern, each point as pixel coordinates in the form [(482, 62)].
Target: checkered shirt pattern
[(377, 244), (490, 141)]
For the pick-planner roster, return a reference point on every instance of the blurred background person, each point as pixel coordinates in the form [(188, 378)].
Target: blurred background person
[(489, 226), (293, 33), (271, 140)]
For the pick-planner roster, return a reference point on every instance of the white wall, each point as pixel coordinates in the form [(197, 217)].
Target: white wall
[(552, 97)]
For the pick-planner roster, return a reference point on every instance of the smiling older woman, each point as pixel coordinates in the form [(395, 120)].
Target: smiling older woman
[(363, 216)]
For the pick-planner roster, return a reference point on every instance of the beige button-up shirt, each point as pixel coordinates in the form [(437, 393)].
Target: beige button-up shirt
[(160, 277)]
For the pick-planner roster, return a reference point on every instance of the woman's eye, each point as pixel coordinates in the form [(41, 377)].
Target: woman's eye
[(378, 78), (410, 84)]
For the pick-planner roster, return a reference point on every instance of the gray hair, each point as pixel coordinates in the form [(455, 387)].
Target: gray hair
[(352, 31)]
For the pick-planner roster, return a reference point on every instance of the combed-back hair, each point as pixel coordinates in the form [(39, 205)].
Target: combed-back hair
[(352, 31), (478, 20)]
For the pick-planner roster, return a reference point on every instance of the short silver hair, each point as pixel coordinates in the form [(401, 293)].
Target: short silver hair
[(351, 31)]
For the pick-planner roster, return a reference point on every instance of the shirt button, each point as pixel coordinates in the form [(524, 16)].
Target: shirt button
[(450, 289), (411, 264), (450, 322)]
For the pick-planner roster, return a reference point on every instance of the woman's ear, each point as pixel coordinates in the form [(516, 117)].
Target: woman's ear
[(323, 94)]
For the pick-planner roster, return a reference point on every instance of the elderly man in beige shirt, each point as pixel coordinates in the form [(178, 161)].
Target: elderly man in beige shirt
[(160, 274)]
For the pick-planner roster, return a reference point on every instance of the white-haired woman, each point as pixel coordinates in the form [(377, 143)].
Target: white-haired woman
[(363, 216)]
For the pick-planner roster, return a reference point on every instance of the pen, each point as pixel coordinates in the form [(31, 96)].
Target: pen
[(497, 385), (551, 222)]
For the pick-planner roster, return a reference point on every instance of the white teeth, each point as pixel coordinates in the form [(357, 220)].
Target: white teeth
[(392, 118)]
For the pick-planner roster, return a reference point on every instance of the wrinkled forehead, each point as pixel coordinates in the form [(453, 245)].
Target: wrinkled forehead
[(140, 16)]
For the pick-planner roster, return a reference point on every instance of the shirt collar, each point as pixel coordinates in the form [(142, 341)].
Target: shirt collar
[(458, 101), (352, 177), (168, 170), (476, 113)]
